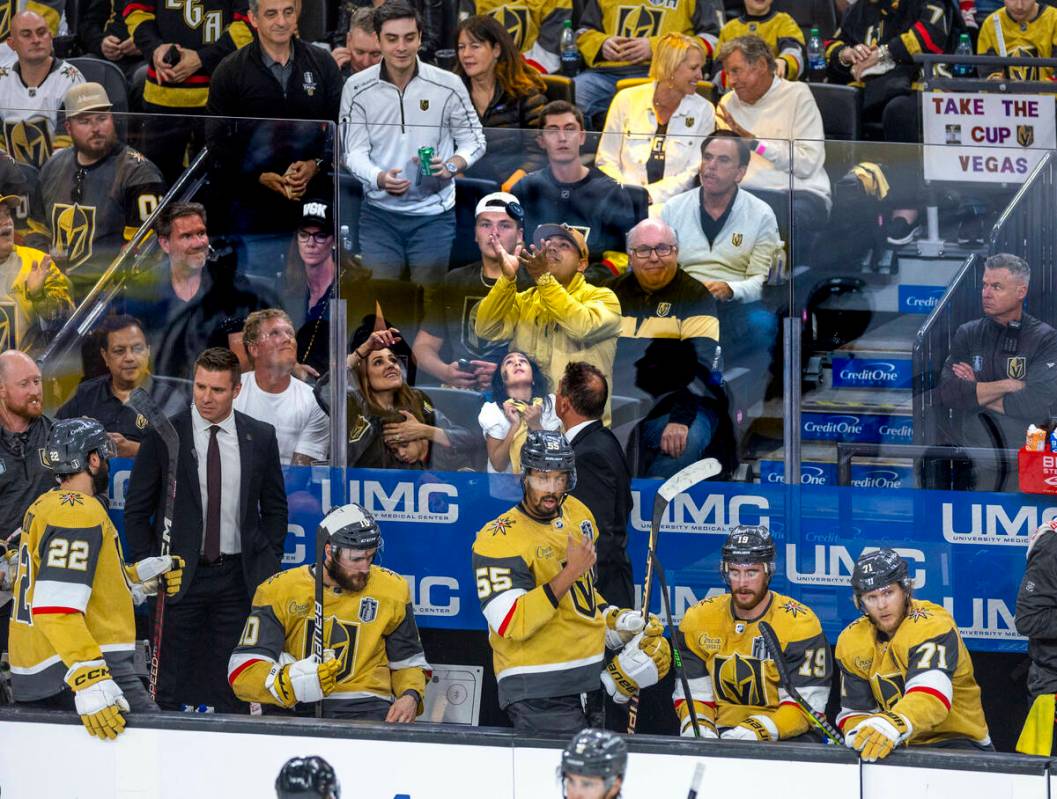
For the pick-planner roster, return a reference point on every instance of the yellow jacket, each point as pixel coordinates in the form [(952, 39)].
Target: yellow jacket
[(54, 300)]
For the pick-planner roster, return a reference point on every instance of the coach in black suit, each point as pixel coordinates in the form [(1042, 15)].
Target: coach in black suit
[(229, 526), (603, 481)]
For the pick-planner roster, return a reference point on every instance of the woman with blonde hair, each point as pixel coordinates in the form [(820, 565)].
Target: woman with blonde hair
[(653, 132)]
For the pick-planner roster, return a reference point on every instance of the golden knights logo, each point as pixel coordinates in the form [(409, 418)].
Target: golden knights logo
[(340, 636), (1022, 73), (638, 21), (793, 608), (8, 326), (918, 614), (423, 105), (501, 525), (5, 20), (1016, 367), (71, 498), (740, 681), (736, 239), (73, 229), (516, 20), (28, 141), (1025, 135), (887, 689)]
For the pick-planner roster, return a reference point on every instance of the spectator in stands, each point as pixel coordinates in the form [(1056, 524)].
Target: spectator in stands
[(32, 92), (308, 286), (562, 318), (14, 181), (272, 394), (431, 12), (53, 11), (784, 126), (653, 131), (361, 48), (392, 425), (534, 25), (269, 167), (447, 346), (521, 401), (778, 30), (875, 44), (618, 41), (102, 32), (506, 93), (389, 112), (125, 352), (728, 240), (999, 377), (97, 193), (39, 295), (582, 197)]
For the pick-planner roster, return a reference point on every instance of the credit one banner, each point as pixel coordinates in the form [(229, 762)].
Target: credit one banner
[(964, 550)]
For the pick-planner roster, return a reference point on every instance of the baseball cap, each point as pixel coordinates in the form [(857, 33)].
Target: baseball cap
[(10, 200), (316, 212), (563, 231), (501, 201), (85, 97)]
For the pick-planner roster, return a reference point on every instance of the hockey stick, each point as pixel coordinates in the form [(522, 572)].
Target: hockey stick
[(142, 403), (679, 482), (677, 659), (317, 630), (695, 782), (770, 640)]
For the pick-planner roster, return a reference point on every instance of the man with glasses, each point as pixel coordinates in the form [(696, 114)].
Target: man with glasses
[(270, 393), (97, 193)]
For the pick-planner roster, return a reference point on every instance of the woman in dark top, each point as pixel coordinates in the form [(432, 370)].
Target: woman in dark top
[(506, 92)]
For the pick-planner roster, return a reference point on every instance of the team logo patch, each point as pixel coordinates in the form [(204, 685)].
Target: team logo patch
[(309, 84), (423, 105), (918, 614), (368, 609), (888, 689), (794, 608), (74, 230), (295, 608), (1025, 135), (587, 530), (559, 524), (141, 421), (736, 239), (740, 680), (359, 428), (8, 326), (978, 363), (709, 644), (501, 525), (544, 552), (28, 141), (689, 122), (863, 664), (1016, 367), (664, 308), (1029, 586), (70, 498), (637, 21), (516, 22)]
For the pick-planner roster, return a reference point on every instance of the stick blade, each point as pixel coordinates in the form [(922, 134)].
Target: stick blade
[(688, 477)]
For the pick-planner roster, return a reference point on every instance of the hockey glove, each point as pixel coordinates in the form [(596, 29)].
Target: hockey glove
[(622, 625), (98, 699), (876, 736), (305, 680), (641, 663), (147, 572), (754, 728), (707, 728)]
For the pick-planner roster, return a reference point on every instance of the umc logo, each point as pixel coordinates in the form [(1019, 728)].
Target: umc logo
[(711, 514), (428, 503), (434, 595), (977, 523), (987, 617), (833, 565)]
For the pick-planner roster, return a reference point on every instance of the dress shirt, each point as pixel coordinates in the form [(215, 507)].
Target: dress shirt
[(573, 431), (230, 477)]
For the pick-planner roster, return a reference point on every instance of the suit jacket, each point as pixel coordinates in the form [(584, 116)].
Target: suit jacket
[(262, 501), (603, 484)]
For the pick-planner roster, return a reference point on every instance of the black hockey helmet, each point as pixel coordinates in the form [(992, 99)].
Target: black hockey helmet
[(596, 753), (877, 569), (307, 777), (549, 451), (71, 441), (351, 527), (748, 543)]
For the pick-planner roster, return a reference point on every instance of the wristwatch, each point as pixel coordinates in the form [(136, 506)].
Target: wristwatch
[(451, 166)]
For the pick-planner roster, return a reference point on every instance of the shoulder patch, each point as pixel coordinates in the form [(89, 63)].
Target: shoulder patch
[(368, 609), (793, 608), (708, 643), (501, 525), (917, 614), (587, 530)]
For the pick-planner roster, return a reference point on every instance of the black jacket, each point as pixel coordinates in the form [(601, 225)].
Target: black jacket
[(511, 125), (1036, 615), (262, 501), (603, 484), (23, 475)]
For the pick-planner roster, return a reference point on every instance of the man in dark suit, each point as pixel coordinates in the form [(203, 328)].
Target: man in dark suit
[(603, 481), (229, 526)]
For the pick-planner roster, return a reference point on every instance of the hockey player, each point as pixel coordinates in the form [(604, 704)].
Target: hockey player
[(72, 633), (732, 677), (547, 625), (308, 777), (378, 671), (906, 676), (593, 765)]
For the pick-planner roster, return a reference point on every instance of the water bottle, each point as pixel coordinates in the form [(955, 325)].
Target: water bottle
[(570, 55), (346, 240), (816, 57), (717, 366), (965, 47)]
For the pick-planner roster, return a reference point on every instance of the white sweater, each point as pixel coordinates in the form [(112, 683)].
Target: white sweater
[(785, 120), (631, 124)]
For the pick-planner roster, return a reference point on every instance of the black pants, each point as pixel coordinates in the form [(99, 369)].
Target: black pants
[(561, 716), (168, 140), (200, 631)]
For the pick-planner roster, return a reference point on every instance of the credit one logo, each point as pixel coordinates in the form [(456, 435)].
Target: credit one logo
[(826, 426), (832, 564), (919, 299), (879, 478), (711, 514), (866, 373), (980, 523), (987, 617)]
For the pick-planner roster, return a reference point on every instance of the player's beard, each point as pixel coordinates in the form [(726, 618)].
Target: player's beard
[(101, 479), (749, 600), (353, 583)]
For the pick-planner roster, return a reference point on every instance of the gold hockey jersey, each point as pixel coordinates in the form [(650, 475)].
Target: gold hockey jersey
[(541, 647), (923, 673), (781, 33), (651, 19), (534, 25), (731, 674), (1032, 39), (372, 632), (72, 601)]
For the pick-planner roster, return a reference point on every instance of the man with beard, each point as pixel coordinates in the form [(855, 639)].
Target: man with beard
[(230, 526), (373, 666), (735, 691), (72, 629)]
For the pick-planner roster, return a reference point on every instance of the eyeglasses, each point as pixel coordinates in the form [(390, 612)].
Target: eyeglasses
[(662, 250), (319, 238), (280, 334)]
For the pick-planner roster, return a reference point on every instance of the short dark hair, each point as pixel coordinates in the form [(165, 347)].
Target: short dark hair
[(579, 386), (112, 324), (395, 9), (174, 211), (744, 153), (219, 359), (556, 107)]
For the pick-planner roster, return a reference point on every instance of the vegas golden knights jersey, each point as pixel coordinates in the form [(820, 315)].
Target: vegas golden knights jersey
[(541, 647), (604, 18), (31, 115), (923, 673), (534, 25), (1032, 39), (732, 675), (51, 10), (781, 33), (372, 632), (72, 601)]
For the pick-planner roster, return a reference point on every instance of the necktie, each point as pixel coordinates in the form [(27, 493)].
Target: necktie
[(212, 541)]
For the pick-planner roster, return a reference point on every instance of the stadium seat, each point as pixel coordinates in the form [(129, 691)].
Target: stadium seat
[(109, 75), (315, 24), (808, 13), (841, 109), (559, 87), (468, 192)]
